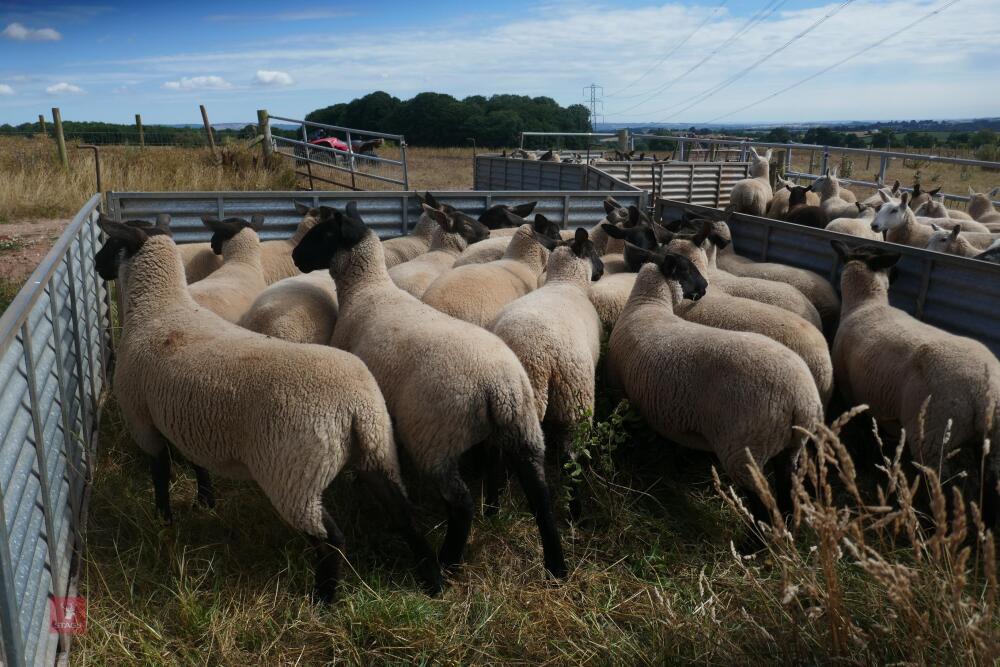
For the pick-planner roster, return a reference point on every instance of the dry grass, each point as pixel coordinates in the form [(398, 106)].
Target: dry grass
[(654, 577)]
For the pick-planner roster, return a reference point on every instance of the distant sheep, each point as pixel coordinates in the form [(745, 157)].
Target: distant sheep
[(752, 195), (981, 206)]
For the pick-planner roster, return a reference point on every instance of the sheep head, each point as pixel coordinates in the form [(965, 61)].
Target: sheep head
[(336, 230)]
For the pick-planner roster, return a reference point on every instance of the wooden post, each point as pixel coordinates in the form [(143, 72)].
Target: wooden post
[(623, 140), (208, 132), (41, 122), (138, 126), (264, 127), (60, 139)]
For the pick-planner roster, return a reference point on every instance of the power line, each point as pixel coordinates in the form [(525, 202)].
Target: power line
[(839, 62), (701, 97), (673, 50), (765, 12)]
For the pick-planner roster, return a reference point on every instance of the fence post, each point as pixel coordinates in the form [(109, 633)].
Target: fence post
[(406, 176), (138, 126), (60, 139), (825, 164), (41, 122), (305, 140), (264, 127), (882, 166), (208, 132), (623, 140)]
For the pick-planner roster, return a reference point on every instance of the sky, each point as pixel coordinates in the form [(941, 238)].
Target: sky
[(690, 61)]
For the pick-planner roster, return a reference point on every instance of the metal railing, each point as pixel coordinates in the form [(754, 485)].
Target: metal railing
[(884, 158), (387, 213), (323, 162), (957, 294), (704, 183), (601, 137), (54, 353)]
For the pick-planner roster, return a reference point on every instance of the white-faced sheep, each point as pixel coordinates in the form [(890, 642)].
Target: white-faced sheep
[(556, 334), (239, 404), (981, 207), (860, 226), (300, 309), (933, 211), (942, 389), (476, 292), (834, 200), (231, 289), (875, 201), (900, 225), (456, 232), (752, 195), (670, 370), (735, 313), (449, 385)]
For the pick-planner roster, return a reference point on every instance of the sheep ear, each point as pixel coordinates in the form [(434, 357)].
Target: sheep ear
[(809, 187), (754, 151), (610, 205), (895, 186), (257, 221), (935, 227), (641, 254), (545, 241), (994, 191), (839, 247), (581, 235), (916, 189), (934, 192), (699, 238), (955, 231), (613, 231), (633, 216), (430, 200), (130, 236), (971, 191), (905, 198), (300, 208), (163, 221), (767, 155), (718, 240), (661, 233), (524, 210), (882, 261), (439, 217), (543, 225)]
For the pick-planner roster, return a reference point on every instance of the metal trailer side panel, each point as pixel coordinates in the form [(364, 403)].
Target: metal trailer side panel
[(957, 294)]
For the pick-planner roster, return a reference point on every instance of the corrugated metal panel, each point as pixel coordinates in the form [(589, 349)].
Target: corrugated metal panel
[(498, 173), (384, 212), (957, 294), (51, 364), (702, 183)]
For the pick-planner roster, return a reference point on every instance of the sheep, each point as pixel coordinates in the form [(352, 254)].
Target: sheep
[(230, 291), (800, 212), (417, 242), (501, 217), (737, 313), (448, 385), (919, 196), (775, 293), (981, 206), (476, 292), (199, 260), (493, 249), (834, 201), (779, 203), (752, 195), (456, 232), (874, 201), (900, 225), (549, 156), (239, 404), (556, 333), (300, 309), (815, 287), (912, 374), (672, 369), (935, 208), (860, 226), (521, 154)]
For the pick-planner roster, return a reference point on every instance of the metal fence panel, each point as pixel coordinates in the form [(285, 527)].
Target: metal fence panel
[(388, 213), (53, 352), (501, 173), (702, 183), (957, 294)]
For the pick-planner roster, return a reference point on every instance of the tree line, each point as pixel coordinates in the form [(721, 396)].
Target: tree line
[(436, 119)]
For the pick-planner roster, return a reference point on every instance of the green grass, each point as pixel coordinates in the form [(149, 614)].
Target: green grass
[(654, 579)]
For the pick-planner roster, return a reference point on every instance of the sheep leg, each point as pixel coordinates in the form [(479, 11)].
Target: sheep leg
[(531, 474), (206, 496), (401, 511), (159, 470), (329, 554), (456, 495)]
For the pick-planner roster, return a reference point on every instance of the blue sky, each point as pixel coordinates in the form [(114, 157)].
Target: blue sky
[(657, 61)]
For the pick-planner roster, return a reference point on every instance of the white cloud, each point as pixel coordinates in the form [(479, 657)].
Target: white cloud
[(266, 77), (21, 33), (557, 53), (64, 88), (198, 83), (5, 89)]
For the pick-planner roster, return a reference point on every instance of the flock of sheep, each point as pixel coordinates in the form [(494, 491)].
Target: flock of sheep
[(918, 218), (285, 361)]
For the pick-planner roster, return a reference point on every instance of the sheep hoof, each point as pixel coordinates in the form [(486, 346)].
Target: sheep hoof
[(325, 593), (433, 581), (558, 570)]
